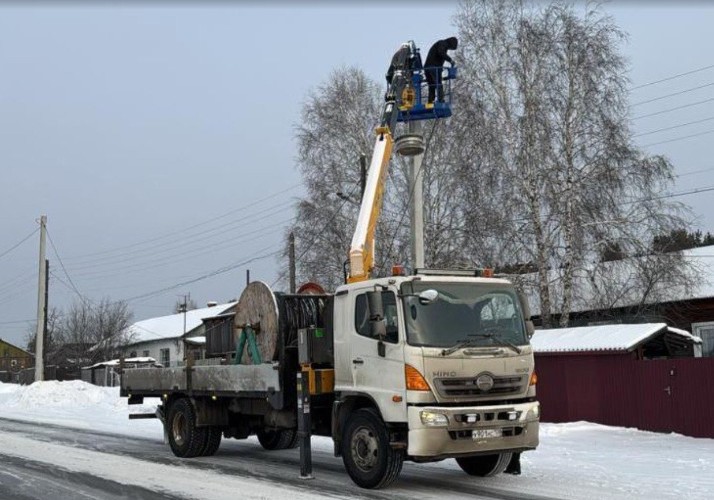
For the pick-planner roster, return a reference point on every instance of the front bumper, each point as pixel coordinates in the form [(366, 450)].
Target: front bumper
[(518, 424)]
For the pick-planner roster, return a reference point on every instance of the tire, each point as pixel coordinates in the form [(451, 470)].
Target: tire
[(186, 440), (281, 439), (213, 441), (369, 459), (485, 465)]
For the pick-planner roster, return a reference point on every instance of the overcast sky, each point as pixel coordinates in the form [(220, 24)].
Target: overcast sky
[(159, 139)]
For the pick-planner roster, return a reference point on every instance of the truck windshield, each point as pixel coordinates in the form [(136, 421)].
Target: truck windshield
[(481, 314)]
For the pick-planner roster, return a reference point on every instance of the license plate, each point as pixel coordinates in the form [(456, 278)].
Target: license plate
[(486, 433)]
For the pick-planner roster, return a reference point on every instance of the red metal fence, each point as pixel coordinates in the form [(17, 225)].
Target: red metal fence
[(673, 395)]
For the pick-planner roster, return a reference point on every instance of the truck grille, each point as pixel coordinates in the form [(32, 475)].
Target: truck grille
[(462, 387)]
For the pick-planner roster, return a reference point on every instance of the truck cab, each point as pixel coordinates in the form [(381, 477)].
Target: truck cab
[(449, 372)]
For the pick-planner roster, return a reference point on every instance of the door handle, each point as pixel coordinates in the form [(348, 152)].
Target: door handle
[(358, 361), (668, 390)]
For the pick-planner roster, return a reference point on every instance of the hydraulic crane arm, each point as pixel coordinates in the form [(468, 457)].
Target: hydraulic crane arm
[(361, 256)]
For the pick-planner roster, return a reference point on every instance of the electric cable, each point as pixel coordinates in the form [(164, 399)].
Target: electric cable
[(23, 240), (679, 75)]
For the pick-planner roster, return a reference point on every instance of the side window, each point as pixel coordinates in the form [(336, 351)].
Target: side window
[(389, 303), (164, 357)]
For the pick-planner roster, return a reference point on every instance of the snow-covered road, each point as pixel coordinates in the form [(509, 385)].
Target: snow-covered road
[(72, 428)]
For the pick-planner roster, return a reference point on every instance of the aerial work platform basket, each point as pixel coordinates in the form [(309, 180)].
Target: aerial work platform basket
[(415, 103)]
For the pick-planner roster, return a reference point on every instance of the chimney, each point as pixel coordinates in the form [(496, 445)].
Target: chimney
[(211, 303)]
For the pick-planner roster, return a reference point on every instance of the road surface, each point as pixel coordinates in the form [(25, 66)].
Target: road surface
[(39, 461)]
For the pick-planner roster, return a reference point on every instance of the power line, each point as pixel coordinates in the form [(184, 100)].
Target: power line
[(679, 138), (674, 109), (679, 75), (694, 172), (186, 239), (318, 234), (188, 228), (168, 253), (674, 127), (181, 257), (19, 243), (16, 321), (54, 248), (210, 274), (673, 94)]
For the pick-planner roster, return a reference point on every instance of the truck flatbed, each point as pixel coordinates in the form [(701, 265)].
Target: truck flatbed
[(211, 380)]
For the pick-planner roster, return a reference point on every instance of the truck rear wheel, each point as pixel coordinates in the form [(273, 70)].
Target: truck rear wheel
[(369, 459), (186, 440), (213, 441), (485, 465), (280, 439)]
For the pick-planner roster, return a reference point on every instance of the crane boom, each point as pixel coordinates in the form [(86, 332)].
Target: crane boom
[(361, 257)]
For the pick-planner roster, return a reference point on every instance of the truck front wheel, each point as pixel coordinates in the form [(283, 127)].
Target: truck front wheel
[(186, 440), (485, 465), (369, 459)]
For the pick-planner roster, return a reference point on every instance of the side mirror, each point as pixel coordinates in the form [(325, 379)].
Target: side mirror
[(377, 327), (428, 297), (374, 303)]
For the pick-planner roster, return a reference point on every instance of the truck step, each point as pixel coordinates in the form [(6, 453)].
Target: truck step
[(137, 416)]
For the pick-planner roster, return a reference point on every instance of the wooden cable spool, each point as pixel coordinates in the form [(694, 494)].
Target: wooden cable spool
[(258, 307)]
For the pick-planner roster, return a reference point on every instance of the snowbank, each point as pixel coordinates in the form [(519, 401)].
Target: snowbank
[(77, 404)]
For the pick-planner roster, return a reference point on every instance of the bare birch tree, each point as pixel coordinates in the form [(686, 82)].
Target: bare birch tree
[(553, 88)]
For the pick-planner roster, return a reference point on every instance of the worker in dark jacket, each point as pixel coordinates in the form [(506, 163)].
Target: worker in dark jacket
[(435, 60)]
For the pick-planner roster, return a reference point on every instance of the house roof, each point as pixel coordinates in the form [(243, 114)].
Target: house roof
[(614, 284), (614, 338), (169, 327), (18, 348)]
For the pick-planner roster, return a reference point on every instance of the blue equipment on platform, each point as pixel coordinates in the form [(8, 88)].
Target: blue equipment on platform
[(414, 99)]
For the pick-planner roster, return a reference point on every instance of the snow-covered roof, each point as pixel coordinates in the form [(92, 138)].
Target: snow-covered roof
[(115, 362), (168, 327), (599, 338), (200, 340)]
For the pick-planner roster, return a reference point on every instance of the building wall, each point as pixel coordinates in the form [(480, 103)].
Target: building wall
[(14, 359), (153, 349)]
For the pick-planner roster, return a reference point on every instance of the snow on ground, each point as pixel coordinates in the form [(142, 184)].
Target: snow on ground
[(575, 460)]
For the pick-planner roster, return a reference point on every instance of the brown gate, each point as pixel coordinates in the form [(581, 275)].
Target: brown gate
[(669, 395)]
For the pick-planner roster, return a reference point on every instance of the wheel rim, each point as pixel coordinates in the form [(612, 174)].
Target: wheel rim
[(178, 429), (364, 448)]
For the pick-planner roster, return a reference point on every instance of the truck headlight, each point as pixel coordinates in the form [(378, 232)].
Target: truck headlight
[(534, 412), (433, 419)]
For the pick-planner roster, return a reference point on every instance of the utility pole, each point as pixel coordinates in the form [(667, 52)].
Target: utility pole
[(184, 308), (41, 305), (291, 243), (47, 301), (416, 207)]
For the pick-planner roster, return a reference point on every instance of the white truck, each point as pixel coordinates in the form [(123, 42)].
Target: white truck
[(425, 367)]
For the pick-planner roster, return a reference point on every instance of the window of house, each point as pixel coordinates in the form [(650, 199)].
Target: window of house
[(164, 357), (132, 354), (389, 304), (705, 331), (146, 354)]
